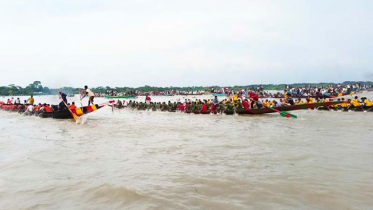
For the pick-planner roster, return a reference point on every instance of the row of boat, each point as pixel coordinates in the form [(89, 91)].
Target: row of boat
[(334, 105), (66, 114)]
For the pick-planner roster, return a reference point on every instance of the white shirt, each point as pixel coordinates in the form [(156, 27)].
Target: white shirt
[(89, 92), (30, 108)]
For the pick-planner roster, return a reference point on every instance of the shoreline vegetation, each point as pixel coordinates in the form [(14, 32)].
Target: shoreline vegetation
[(36, 88)]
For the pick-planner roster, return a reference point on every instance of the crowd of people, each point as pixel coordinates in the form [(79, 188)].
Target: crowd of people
[(244, 99), (236, 103)]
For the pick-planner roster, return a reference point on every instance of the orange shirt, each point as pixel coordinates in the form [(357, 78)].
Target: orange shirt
[(72, 107)]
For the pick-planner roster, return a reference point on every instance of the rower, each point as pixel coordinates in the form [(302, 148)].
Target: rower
[(355, 102), (72, 106), (17, 101), (90, 94), (204, 107), (245, 104), (367, 102)]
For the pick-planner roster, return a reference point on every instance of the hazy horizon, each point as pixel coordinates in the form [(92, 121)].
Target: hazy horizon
[(194, 43)]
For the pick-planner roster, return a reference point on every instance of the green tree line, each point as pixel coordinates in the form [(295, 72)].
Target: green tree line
[(36, 88)]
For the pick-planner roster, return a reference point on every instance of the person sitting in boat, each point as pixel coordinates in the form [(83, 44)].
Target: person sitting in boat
[(180, 107), (61, 105), (9, 102), (29, 110), (17, 101), (119, 103), (355, 103), (203, 108), (367, 102), (90, 94), (72, 106), (245, 104), (47, 108)]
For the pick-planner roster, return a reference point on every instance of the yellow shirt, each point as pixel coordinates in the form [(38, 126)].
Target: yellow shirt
[(311, 100), (31, 100), (300, 102), (224, 102), (235, 97), (355, 102), (367, 102), (344, 104)]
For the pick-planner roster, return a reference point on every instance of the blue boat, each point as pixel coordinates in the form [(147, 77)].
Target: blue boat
[(219, 94)]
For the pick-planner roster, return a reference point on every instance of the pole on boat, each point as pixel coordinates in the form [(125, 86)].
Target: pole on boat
[(76, 118), (282, 113)]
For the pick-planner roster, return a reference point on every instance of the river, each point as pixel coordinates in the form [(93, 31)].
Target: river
[(158, 160)]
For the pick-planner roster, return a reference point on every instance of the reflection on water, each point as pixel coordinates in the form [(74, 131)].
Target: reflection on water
[(155, 160)]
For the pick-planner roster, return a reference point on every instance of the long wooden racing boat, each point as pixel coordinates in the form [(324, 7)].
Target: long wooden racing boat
[(286, 108), (60, 114), (120, 96), (65, 114)]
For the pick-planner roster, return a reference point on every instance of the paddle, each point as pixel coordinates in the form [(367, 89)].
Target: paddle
[(282, 113), (76, 118)]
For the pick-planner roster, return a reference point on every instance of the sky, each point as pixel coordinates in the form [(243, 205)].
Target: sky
[(134, 43)]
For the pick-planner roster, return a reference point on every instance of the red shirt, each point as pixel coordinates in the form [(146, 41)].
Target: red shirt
[(180, 107), (204, 108), (245, 105), (254, 96)]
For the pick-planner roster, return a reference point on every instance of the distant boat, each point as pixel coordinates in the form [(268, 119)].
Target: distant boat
[(127, 96), (70, 95), (219, 94)]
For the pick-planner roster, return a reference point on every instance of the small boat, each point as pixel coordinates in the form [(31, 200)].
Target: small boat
[(190, 94), (127, 96), (219, 94), (164, 95), (70, 95)]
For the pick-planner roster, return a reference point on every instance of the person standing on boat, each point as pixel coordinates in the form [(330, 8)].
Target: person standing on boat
[(147, 99), (253, 97), (90, 94), (31, 100), (62, 96)]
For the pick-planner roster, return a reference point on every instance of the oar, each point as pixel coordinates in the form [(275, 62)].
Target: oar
[(282, 113), (76, 118)]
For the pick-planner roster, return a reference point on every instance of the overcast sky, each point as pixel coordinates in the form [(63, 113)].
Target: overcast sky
[(184, 43)]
